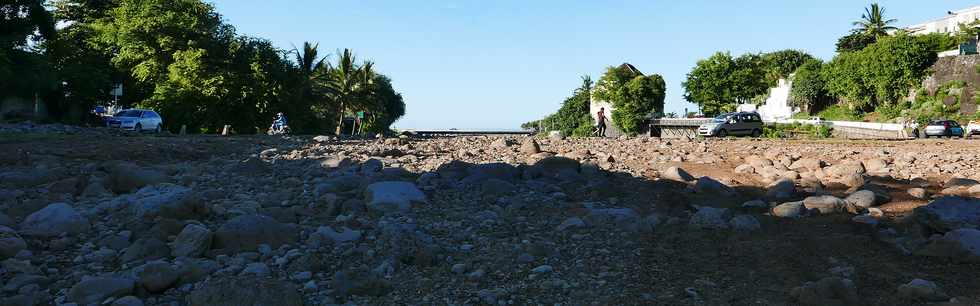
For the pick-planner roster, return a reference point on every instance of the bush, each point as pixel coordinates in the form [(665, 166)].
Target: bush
[(881, 73), (839, 113)]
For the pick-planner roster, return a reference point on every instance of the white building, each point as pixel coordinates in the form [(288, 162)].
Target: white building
[(948, 24), (776, 106)]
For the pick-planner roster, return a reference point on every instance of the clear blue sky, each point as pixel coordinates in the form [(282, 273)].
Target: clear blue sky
[(495, 64)]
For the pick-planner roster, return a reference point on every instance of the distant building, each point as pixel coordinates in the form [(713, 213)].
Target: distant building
[(596, 105), (948, 24)]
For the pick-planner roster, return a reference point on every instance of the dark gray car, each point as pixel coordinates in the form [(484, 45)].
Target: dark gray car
[(733, 124)]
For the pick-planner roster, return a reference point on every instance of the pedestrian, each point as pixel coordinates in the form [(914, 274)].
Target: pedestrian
[(601, 122)]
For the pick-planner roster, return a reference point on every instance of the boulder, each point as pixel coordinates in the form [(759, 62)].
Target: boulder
[(824, 204), (193, 241), (95, 290), (481, 172), (497, 187), (500, 143), (252, 166), (127, 301), (530, 146), (781, 190), (711, 218), (708, 185), (625, 219), (146, 248), (862, 199), (554, 165), (6, 221), (949, 213), (922, 290), (845, 169), (10, 242), (852, 180), (166, 200), (918, 193), (745, 169), (789, 210), (247, 232), (322, 139), (876, 165), (676, 174), (393, 196), (961, 245), (126, 178), (54, 220), (24, 179), (339, 184), (245, 291), (959, 181), (758, 162), (326, 234), (157, 276)]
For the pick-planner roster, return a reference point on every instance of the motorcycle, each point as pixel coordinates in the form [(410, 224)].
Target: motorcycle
[(278, 128)]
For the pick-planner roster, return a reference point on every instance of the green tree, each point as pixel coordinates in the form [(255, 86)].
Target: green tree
[(809, 89), (781, 64), (874, 23), (855, 41), (880, 74), (347, 82), (634, 97), (23, 70), (719, 83)]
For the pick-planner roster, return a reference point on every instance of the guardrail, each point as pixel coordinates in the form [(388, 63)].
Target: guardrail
[(431, 133), (860, 130)]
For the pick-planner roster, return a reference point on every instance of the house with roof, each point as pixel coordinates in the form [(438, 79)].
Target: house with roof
[(950, 24)]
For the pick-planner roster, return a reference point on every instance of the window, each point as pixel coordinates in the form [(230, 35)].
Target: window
[(129, 113), (151, 114)]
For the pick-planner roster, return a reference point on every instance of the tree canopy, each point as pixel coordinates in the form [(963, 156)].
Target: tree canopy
[(634, 96)]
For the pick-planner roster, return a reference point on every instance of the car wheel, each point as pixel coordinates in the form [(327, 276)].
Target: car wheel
[(722, 133), (138, 128), (159, 129), (756, 133)]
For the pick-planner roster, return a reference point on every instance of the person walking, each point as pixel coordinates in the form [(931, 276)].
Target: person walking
[(601, 122)]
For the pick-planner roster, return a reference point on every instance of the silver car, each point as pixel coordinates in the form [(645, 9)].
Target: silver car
[(136, 120), (733, 124)]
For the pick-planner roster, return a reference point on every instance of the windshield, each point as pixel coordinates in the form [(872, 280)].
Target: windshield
[(722, 118), (128, 113)]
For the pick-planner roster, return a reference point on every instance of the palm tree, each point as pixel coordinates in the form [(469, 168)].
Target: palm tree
[(347, 83), (873, 22)]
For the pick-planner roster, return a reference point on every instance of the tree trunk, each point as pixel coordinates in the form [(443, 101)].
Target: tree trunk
[(340, 122)]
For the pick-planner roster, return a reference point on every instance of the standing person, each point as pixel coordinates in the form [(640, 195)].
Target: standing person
[(601, 122)]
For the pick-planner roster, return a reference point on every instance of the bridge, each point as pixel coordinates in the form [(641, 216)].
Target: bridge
[(676, 127)]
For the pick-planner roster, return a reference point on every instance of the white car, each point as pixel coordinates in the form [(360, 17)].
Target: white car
[(972, 128), (136, 120)]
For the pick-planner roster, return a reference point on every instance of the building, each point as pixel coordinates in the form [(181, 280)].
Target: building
[(596, 105), (948, 24)]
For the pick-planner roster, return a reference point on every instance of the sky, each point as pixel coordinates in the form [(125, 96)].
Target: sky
[(480, 64)]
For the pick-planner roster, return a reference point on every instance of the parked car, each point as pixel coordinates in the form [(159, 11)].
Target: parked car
[(940, 128), (136, 120), (733, 124), (972, 128)]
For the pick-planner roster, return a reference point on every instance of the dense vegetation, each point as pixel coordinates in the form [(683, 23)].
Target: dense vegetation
[(634, 97), (180, 58), (719, 83)]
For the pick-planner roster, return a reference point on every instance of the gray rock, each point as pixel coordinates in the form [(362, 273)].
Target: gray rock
[(862, 199), (949, 213), (711, 218), (246, 291), (125, 178), (193, 241), (252, 166), (257, 269), (845, 169), (322, 139), (758, 162), (961, 245), (745, 223), (781, 190), (807, 164), (54, 220), (166, 200), (372, 165), (157, 276), (10, 242), (755, 205), (325, 234), (145, 249), (246, 233), (625, 219), (500, 143), (393, 196), (745, 169), (960, 181), (6, 221), (18, 179), (922, 290), (542, 269), (711, 186), (824, 204), (676, 174), (789, 210), (458, 268), (340, 184), (95, 290)]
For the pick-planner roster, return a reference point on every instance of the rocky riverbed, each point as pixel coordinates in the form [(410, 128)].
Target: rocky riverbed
[(99, 218)]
